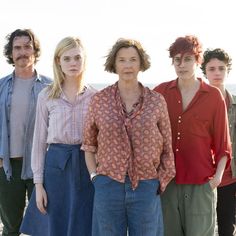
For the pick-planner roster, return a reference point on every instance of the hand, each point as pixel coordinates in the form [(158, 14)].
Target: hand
[(41, 198), (214, 182)]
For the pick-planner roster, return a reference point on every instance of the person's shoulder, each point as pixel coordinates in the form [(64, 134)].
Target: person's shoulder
[(155, 96), (232, 95), (90, 89), (165, 85), (105, 91), (152, 92), (5, 79), (44, 93), (45, 79), (102, 96), (233, 98), (214, 95), (212, 89)]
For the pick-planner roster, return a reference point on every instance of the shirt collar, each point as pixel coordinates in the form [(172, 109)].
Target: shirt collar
[(203, 86), (37, 76), (83, 92)]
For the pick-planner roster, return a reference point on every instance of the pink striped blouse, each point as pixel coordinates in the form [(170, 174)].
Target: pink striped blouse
[(57, 121)]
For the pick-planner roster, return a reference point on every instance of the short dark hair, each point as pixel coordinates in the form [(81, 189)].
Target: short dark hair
[(219, 54), (188, 44), (18, 33), (126, 43)]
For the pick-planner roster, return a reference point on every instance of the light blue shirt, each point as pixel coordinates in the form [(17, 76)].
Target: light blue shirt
[(6, 88)]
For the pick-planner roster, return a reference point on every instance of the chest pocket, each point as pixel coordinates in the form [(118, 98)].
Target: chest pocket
[(199, 127)]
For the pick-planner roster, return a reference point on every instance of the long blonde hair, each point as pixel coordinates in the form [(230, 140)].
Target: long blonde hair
[(65, 44)]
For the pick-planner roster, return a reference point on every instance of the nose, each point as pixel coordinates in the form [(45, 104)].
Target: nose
[(73, 62), (23, 51), (218, 71), (183, 62), (128, 63)]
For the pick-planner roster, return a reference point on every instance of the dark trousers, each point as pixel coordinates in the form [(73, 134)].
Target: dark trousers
[(226, 210), (13, 198)]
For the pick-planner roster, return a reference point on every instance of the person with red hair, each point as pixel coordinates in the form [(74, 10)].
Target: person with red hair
[(200, 141)]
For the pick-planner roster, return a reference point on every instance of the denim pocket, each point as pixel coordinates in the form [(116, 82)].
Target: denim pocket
[(101, 180), (56, 159)]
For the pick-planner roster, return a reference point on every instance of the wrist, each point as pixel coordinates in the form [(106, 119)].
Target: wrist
[(38, 185)]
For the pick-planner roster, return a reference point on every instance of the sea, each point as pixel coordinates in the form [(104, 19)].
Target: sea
[(99, 86)]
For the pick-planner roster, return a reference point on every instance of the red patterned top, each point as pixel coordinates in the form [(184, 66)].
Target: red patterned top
[(138, 144)]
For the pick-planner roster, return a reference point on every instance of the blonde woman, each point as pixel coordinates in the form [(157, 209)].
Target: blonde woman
[(64, 192)]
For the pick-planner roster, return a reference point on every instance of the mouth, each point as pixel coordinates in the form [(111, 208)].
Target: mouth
[(73, 70), (182, 72)]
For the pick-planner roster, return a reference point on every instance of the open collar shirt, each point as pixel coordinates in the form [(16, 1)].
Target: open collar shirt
[(6, 89), (200, 134), (138, 144)]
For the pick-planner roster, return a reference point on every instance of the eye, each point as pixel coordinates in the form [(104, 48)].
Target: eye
[(211, 69), (187, 59), (222, 68), (16, 47), (133, 59), (66, 59), (177, 60), (28, 47), (77, 58)]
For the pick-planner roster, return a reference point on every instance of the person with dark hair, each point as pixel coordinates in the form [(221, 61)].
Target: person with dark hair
[(216, 67), (18, 98), (200, 141), (127, 143)]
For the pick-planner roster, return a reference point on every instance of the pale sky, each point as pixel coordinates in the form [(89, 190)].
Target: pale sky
[(99, 23)]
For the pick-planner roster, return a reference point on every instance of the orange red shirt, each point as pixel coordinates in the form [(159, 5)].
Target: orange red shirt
[(200, 134), (138, 144)]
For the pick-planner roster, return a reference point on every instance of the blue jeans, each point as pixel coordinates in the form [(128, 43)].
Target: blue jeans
[(119, 209)]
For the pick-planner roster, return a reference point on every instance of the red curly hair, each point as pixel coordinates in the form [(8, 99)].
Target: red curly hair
[(188, 44)]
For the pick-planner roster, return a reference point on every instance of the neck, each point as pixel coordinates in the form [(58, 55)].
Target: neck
[(187, 83), (24, 73), (129, 92), (128, 86), (73, 84)]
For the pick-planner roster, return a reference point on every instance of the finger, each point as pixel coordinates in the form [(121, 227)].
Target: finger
[(41, 207), (45, 201), (212, 184)]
